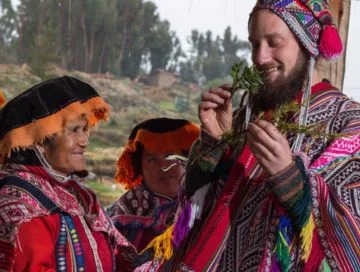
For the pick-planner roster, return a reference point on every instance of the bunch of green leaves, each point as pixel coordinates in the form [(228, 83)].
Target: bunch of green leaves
[(245, 78), (249, 80), (281, 116)]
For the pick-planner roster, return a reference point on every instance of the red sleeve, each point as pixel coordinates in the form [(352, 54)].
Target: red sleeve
[(35, 244)]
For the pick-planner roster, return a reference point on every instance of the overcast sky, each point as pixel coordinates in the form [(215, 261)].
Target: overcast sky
[(185, 15)]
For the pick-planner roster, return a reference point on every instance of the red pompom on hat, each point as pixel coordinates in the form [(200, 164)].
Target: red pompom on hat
[(330, 45)]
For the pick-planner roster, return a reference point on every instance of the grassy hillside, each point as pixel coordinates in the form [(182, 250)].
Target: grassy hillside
[(131, 103)]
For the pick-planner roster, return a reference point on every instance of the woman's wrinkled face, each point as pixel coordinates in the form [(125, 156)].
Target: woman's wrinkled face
[(65, 152), (160, 181)]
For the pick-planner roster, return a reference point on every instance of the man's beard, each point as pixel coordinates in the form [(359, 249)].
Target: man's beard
[(284, 89)]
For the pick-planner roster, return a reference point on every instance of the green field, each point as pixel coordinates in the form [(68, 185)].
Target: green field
[(107, 193)]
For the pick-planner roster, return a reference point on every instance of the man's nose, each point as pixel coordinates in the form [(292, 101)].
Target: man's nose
[(262, 55)]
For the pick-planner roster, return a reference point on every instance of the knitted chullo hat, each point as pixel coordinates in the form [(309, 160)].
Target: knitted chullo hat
[(311, 22), (42, 111), (158, 136)]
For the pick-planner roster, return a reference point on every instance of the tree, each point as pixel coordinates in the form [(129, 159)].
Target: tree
[(160, 45), (210, 59), (231, 47), (173, 65), (88, 35), (213, 65), (7, 29), (136, 35)]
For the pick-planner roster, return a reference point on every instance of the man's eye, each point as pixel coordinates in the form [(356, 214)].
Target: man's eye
[(274, 43)]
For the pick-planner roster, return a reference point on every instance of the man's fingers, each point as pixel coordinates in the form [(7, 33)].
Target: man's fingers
[(269, 129), (205, 105), (260, 151), (223, 93), (226, 87), (260, 135), (212, 97)]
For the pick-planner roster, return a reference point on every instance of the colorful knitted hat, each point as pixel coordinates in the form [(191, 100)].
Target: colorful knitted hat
[(158, 136), (42, 111), (311, 22)]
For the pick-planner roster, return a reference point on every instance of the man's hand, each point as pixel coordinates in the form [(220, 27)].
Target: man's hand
[(215, 111), (269, 146)]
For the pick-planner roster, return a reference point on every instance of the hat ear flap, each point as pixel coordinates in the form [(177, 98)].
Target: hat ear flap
[(330, 45), (125, 173), (2, 99)]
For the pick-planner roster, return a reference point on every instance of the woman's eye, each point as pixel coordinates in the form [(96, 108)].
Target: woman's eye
[(74, 129), (151, 159)]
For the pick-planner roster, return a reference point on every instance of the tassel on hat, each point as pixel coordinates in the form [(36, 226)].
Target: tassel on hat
[(330, 45)]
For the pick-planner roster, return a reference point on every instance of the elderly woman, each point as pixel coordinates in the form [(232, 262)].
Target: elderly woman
[(49, 221), (149, 206)]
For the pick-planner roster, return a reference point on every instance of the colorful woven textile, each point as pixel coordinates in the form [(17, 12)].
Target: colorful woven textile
[(29, 193), (140, 215), (306, 218)]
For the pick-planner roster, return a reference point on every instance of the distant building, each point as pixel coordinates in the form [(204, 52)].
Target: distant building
[(159, 78)]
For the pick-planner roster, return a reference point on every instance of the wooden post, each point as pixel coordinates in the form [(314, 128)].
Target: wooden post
[(335, 72)]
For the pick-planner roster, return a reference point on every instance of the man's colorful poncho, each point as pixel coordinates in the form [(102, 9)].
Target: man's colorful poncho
[(305, 218)]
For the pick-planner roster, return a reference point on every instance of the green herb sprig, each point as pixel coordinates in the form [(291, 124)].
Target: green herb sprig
[(249, 80), (245, 78)]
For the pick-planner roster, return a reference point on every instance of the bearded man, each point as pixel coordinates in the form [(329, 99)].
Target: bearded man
[(279, 201)]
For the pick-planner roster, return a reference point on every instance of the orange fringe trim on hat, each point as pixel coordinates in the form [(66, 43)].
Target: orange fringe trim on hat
[(23, 137), (172, 142), (2, 99), (125, 171)]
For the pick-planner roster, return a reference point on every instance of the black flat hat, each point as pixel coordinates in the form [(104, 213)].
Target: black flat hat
[(42, 111)]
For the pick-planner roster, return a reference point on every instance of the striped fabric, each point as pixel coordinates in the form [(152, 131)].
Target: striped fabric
[(30, 192), (308, 224)]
